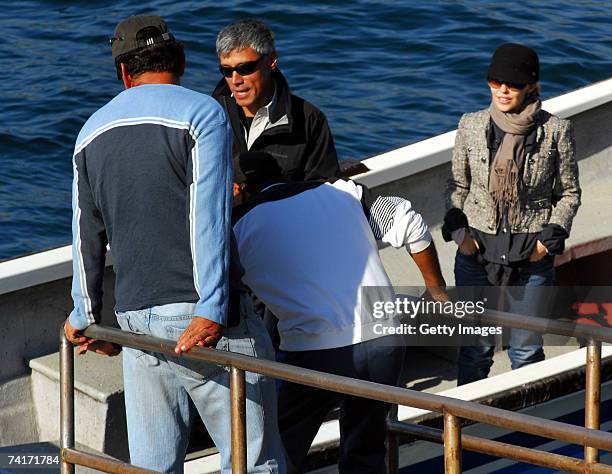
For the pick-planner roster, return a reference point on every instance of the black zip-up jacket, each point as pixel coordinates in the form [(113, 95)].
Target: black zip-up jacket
[(304, 147)]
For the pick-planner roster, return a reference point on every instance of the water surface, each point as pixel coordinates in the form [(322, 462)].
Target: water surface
[(386, 73)]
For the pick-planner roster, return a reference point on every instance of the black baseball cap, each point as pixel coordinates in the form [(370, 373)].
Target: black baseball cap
[(137, 32), (514, 63)]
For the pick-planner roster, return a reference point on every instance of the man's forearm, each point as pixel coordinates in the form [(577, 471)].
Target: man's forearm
[(427, 261)]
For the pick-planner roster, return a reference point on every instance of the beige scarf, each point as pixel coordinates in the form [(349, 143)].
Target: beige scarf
[(504, 179)]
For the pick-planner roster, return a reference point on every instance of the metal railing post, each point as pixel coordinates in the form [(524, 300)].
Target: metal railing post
[(392, 443), (593, 396), (66, 399), (238, 421), (452, 444)]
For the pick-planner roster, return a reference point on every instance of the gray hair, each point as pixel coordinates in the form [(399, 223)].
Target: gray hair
[(243, 34)]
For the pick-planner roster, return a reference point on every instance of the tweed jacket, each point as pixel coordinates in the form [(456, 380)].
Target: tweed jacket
[(550, 192)]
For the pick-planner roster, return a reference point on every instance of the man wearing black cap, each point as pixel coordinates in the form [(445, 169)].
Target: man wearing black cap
[(153, 178), (309, 251)]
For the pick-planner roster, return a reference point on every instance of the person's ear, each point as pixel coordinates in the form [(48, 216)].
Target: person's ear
[(236, 190), (239, 193), (273, 60), (125, 77)]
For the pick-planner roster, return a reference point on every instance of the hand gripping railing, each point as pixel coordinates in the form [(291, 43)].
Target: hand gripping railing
[(453, 409)]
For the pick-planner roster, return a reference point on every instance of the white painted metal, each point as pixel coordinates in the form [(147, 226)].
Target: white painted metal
[(38, 268), (35, 269)]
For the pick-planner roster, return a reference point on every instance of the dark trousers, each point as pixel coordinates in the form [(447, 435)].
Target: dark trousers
[(302, 409), (524, 347)]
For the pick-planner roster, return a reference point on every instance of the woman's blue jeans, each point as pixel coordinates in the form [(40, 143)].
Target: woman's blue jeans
[(161, 392), (525, 347)]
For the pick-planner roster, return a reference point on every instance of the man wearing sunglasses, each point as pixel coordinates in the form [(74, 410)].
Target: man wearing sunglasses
[(264, 115)]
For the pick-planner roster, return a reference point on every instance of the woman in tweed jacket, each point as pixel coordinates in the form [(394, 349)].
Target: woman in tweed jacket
[(511, 199)]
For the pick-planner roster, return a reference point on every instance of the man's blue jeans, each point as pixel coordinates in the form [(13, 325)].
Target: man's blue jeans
[(525, 347), (161, 391)]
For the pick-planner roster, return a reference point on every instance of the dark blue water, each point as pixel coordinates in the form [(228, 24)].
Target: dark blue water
[(386, 73)]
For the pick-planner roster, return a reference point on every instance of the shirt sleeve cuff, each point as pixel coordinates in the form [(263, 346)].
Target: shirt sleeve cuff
[(553, 238), (458, 235), (419, 245), (77, 320), (204, 310)]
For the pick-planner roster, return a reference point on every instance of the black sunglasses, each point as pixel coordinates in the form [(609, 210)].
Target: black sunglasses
[(513, 86), (243, 69)]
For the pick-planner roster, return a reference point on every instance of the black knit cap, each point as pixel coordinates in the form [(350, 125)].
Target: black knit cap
[(137, 32), (514, 63), (258, 168)]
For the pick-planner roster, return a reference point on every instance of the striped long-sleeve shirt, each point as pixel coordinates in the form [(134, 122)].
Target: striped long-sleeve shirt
[(152, 178)]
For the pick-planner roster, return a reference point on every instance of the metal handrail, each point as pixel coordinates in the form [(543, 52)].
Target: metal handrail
[(496, 448), (594, 335), (453, 409), (546, 325)]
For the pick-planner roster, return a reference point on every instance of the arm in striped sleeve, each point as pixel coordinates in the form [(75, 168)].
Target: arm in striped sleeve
[(210, 219), (395, 222), (88, 249)]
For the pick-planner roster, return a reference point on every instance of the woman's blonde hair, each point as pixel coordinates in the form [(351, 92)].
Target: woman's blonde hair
[(537, 91)]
